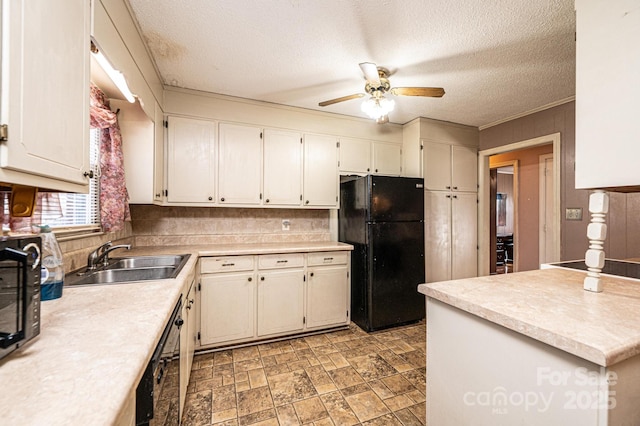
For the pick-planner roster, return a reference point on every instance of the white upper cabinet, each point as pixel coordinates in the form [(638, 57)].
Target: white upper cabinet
[(240, 164), (387, 159), (464, 168), (450, 167), (158, 158), (607, 94), (190, 160), (320, 171), (362, 156), (45, 94), (282, 168), (355, 156)]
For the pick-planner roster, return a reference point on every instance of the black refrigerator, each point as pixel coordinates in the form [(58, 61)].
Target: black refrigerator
[(383, 218)]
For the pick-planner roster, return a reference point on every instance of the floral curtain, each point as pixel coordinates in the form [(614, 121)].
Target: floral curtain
[(114, 198)]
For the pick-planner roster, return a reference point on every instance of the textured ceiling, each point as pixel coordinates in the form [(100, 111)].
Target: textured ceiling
[(494, 58)]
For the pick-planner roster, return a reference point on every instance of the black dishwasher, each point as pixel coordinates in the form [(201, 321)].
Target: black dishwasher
[(158, 393)]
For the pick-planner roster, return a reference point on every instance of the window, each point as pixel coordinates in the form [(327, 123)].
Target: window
[(75, 213), (79, 210)]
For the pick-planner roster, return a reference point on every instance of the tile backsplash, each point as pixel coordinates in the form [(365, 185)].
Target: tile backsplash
[(155, 225)]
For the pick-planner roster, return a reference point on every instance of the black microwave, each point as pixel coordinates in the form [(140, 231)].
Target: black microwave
[(19, 292)]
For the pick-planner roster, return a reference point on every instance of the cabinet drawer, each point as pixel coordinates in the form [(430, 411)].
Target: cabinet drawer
[(226, 264), (328, 258), (289, 260)]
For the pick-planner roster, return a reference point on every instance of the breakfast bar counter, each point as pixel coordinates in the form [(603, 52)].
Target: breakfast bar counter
[(533, 348)]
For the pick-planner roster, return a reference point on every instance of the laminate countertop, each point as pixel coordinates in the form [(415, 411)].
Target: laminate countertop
[(95, 342), (550, 305)]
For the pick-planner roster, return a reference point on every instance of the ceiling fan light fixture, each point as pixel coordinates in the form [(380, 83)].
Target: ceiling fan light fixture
[(378, 107)]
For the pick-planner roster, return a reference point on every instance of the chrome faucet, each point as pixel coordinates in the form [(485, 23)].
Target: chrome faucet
[(100, 256)]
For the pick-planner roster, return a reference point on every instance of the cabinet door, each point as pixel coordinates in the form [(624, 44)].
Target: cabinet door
[(158, 156), (282, 168), (327, 296), (387, 159), (320, 171), (437, 166), (45, 92), (355, 155), (190, 160), (187, 340), (240, 164), (464, 235), (464, 168), (227, 307), (607, 130), (437, 235), (280, 301)]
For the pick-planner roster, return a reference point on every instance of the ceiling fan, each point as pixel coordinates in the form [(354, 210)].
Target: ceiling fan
[(377, 85)]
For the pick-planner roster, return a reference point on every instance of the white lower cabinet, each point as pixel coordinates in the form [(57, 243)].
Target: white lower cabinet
[(328, 296), (280, 302), (253, 297), (188, 338)]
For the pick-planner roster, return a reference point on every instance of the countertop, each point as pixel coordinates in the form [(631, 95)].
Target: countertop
[(551, 306), (95, 342)]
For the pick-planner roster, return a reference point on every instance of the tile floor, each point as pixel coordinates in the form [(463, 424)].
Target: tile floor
[(346, 377)]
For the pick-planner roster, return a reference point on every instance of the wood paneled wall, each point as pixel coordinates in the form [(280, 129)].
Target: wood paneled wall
[(623, 220)]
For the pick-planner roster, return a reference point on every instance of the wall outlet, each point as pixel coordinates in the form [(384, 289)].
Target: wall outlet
[(286, 224), (573, 213)]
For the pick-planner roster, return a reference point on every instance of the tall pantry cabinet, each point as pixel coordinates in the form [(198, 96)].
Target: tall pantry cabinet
[(446, 156)]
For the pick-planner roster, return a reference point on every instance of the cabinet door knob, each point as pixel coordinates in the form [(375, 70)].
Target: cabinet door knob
[(447, 187), (455, 196), (455, 187), (306, 202), (311, 274), (267, 200), (250, 279), (157, 195), (368, 169), (88, 174), (222, 199), (210, 198), (261, 278)]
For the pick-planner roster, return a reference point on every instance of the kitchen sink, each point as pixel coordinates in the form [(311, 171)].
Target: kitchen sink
[(130, 269), (144, 262)]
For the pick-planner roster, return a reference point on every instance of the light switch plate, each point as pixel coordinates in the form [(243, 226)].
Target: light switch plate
[(573, 213)]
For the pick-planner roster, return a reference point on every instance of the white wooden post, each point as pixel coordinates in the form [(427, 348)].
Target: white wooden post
[(596, 233)]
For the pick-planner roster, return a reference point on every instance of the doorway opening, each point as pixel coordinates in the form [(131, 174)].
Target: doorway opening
[(503, 221), (526, 231)]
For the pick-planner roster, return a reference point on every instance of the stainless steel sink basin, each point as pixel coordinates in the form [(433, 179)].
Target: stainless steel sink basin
[(144, 262), (131, 269)]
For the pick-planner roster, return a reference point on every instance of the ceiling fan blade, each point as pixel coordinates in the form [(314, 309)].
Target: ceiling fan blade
[(434, 92), (342, 99), (370, 71)]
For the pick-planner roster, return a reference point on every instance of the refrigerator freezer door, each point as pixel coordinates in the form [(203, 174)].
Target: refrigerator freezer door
[(396, 199), (396, 268)]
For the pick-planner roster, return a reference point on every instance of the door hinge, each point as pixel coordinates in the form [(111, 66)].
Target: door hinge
[(165, 123), (260, 135), (304, 320), (300, 197), (304, 278), (261, 195), (4, 133), (338, 163), (199, 287), (336, 198), (337, 144), (198, 335), (300, 140), (166, 192), (347, 313)]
